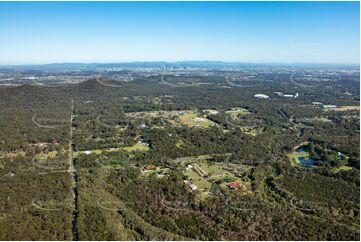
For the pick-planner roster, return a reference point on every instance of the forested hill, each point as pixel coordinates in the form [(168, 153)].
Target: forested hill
[(194, 156)]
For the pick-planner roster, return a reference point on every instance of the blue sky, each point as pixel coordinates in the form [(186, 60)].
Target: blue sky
[(259, 32)]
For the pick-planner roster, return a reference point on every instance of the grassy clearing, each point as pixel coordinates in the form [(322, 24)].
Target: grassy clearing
[(344, 108), (179, 143), (214, 170), (160, 171), (192, 174), (321, 119), (341, 168), (182, 117), (192, 120), (137, 147), (216, 173), (249, 131), (12, 154), (154, 114), (45, 156), (203, 185), (199, 181), (234, 112)]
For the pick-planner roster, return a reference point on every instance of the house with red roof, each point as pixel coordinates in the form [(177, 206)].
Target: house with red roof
[(233, 185)]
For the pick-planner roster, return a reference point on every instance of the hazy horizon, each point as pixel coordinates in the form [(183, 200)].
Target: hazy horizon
[(36, 33), (214, 62)]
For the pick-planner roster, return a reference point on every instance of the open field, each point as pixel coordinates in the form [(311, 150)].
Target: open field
[(342, 168), (154, 114), (203, 174), (162, 171), (193, 120), (44, 156), (249, 131), (189, 118), (234, 112), (137, 147), (200, 182), (344, 108)]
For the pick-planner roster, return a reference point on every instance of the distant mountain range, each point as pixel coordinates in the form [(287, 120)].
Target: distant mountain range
[(163, 64)]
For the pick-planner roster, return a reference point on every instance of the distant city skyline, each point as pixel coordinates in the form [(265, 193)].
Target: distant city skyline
[(114, 32)]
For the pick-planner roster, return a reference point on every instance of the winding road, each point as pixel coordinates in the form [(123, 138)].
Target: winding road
[(167, 83), (163, 203), (304, 209), (107, 84), (103, 124), (296, 83), (54, 169), (42, 84), (47, 126), (44, 209), (236, 85)]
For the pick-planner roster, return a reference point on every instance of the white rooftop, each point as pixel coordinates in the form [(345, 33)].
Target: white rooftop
[(261, 96)]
